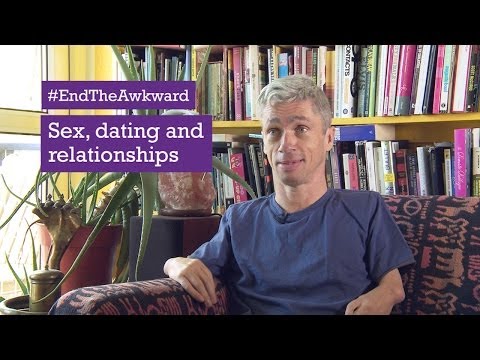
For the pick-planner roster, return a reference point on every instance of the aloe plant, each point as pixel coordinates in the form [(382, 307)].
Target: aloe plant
[(131, 74), (122, 203)]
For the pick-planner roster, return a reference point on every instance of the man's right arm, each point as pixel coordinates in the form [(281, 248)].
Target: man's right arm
[(194, 277)]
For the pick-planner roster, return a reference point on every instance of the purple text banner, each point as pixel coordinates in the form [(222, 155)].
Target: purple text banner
[(163, 95), (134, 143)]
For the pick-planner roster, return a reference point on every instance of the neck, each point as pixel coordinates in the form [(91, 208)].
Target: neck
[(293, 199)]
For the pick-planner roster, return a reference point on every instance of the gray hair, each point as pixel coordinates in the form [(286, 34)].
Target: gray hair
[(296, 88)]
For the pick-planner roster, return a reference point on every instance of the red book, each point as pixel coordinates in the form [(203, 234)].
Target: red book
[(238, 166), (438, 79), (401, 171), (405, 78), (238, 82)]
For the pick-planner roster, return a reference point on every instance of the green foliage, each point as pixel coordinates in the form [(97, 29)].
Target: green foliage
[(149, 180)]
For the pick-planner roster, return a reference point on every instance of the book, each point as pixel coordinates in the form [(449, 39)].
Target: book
[(462, 161), (406, 66), (364, 132)]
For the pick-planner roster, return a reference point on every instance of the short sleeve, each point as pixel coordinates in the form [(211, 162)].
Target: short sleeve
[(216, 253)]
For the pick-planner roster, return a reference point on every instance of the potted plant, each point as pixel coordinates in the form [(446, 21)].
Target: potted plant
[(118, 205)]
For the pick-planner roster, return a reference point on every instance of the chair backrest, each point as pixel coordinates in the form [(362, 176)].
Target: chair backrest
[(444, 234)]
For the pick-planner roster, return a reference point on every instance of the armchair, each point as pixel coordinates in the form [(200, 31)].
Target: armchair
[(443, 232)]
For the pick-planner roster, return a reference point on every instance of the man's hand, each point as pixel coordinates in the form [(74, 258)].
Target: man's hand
[(194, 277), (380, 300)]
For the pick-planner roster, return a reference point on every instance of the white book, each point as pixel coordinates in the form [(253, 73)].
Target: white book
[(253, 60), (379, 169), (373, 180), (475, 137), (422, 80), (460, 87), (321, 67), (339, 65), (388, 174), (447, 172), (424, 171), (393, 80), (381, 79), (348, 75)]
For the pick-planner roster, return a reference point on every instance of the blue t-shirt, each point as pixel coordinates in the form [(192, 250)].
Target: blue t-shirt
[(314, 261)]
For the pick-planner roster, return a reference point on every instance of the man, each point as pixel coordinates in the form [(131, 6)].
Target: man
[(305, 249)]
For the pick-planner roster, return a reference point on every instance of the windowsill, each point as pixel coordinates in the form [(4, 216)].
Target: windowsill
[(20, 122)]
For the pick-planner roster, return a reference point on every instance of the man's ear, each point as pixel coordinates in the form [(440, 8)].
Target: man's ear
[(328, 139)]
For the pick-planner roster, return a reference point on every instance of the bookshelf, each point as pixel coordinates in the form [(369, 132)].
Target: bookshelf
[(418, 115), (416, 128)]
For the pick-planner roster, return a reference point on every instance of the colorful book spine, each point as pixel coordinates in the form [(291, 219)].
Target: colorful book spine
[(350, 171), (364, 132), (462, 166), (238, 82), (401, 171), (438, 79), (405, 77), (237, 165)]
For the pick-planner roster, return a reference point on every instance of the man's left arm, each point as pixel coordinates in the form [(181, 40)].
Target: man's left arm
[(381, 299)]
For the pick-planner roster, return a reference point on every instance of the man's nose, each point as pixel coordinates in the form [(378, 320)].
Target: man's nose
[(288, 141)]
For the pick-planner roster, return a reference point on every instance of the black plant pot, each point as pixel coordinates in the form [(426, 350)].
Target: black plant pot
[(170, 236)]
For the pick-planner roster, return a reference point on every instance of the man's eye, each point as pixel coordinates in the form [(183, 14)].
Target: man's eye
[(271, 131), (302, 129)]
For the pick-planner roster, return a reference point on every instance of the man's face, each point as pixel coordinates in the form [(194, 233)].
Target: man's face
[(295, 142)]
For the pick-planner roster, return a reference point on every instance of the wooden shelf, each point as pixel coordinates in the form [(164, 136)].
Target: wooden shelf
[(415, 128), (243, 127), (411, 119)]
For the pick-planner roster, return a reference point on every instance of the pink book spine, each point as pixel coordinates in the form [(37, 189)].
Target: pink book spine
[(438, 79), (387, 80), (238, 82), (405, 79), (461, 138), (237, 165), (353, 172)]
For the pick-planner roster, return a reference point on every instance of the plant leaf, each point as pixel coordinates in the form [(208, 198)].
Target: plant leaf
[(24, 200), (123, 64), (15, 195), (19, 281), (131, 179), (149, 186)]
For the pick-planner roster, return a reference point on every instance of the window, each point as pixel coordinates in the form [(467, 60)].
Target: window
[(19, 163), (22, 69)]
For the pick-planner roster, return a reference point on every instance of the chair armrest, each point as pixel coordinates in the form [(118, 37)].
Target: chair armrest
[(152, 297)]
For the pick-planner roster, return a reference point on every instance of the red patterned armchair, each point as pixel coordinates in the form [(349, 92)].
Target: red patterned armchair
[(442, 231)]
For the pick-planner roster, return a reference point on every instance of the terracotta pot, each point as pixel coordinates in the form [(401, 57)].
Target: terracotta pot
[(96, 266)]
